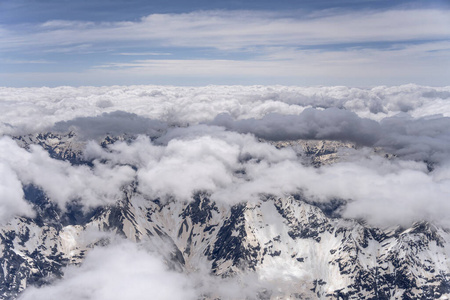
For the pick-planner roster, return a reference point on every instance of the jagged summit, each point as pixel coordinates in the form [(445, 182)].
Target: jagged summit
[(299, 249)]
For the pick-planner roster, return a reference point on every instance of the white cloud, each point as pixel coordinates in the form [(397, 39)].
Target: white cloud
[(425, 139), (330, 47), (120, 271), (394, 64), (34, 109), (39, 61), (186, 167), (352, 66), (241, 29), (386, 192), (12, 202), (61, 181), (125, 270), (234, 166), (144, 53)]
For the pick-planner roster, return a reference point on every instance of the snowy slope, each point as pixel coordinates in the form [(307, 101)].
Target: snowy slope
[(299, 249)]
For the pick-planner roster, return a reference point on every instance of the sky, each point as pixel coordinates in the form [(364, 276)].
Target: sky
[(304, 43)]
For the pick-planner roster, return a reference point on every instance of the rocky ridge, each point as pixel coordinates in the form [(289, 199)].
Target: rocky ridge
[(303, 250)]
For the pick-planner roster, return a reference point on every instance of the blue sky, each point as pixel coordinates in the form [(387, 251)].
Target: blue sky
[(99, 42)]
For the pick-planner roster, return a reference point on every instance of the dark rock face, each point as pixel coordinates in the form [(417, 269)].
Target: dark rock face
[(59, 146), (370, 263), (331, 258)]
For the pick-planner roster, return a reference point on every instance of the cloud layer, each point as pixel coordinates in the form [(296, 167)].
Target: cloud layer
[(426, 139), (242, 29), (332, 46), (235, 167), (192, 139), (36, 109)]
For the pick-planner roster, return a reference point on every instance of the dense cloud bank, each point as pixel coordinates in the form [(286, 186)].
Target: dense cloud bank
[(35, 109), (235, 167), (425, 138), (232, 168), (207, 138)]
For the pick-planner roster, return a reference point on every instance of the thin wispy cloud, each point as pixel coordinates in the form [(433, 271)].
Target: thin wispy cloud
[(144, 53), (367, 47), (82, 48), (41, 61), (241, 29), (391, 63)]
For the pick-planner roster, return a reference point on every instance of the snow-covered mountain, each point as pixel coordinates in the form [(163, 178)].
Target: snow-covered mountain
[(298, 249)]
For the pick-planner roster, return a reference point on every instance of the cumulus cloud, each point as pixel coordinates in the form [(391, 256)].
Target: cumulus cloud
[(12, 202), (385, 192), (123, 270), (27, 110), (207, 138), (120, 271), (62, 182), (194, 162), (236, 167)]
